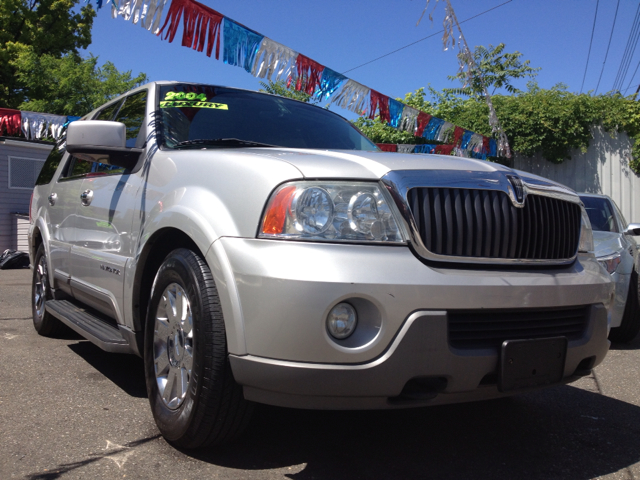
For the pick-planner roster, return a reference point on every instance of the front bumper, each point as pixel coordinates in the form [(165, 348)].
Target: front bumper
[(621, 282), (286, 289), (420, 351)]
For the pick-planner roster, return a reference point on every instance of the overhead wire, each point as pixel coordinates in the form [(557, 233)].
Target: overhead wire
[(608, 45), (590, 43), (629, 50), (425, 38), (632, 77)]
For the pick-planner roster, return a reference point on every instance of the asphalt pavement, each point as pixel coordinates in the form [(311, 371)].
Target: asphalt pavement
[(69, 410)]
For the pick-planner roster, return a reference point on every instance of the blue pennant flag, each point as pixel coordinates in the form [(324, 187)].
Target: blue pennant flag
[(493, 148), (240, 45), (329, 83), (425, 149), (395, 112), (431, 132), (466, 138)]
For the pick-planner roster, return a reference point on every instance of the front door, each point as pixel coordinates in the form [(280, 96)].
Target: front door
[(104, 215)]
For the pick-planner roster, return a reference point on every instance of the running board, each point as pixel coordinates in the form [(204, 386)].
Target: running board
[(90, 326)]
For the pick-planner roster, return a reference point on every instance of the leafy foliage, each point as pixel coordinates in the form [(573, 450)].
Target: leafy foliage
[(551, 122), (38, 27), (495, 68), (69, 85), (280, 88)]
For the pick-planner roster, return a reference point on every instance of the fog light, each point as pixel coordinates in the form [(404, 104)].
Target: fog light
[(342, 321)]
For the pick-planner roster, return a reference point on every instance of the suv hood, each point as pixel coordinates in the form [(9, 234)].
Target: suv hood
[(368, 164), (357, 164), (606, 243)]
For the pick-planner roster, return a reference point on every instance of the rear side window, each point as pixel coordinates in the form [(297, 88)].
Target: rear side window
[(53, 160)]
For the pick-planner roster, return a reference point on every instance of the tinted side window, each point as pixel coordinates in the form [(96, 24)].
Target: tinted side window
[(132, 114), (52, 161), (109, 112), (78, 167)]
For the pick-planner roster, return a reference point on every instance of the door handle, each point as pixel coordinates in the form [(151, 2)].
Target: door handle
[(52, 199), (86, 197)]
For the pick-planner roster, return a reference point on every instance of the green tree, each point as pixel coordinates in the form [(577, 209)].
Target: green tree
[(69, 85), (495, 68), (39, 27), (280, 88)]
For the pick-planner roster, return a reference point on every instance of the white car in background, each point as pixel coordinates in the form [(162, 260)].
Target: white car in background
[(616, 250)]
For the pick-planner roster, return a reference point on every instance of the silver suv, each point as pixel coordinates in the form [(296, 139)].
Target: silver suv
[(253, 248)]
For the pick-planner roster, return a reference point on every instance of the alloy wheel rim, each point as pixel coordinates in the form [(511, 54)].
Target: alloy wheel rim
[(173, 345), (40, 290)]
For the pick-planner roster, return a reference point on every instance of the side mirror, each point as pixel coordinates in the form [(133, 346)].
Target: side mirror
[(633, 229), (101, 141)]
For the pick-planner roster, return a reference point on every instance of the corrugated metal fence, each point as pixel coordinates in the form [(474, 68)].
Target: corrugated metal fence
[(604, 168)]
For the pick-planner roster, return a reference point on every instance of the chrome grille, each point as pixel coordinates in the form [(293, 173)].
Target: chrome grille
[(485, 224), (489, 328)]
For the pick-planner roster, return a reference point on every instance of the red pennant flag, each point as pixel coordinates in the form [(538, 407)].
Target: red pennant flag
[(457, 136), (309, 74), (423, 121), (388, 147), (381, 102), (444, 149), (200, 21), (10, 121)]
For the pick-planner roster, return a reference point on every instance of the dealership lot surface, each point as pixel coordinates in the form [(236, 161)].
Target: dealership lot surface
[(69, 410)]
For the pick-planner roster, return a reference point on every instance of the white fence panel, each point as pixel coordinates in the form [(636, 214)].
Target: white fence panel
[(604, 168)]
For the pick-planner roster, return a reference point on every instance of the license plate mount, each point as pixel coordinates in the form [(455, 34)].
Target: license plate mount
[(531, 363)]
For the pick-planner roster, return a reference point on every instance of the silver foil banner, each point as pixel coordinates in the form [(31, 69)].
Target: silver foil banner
[(353, 96), (38, 126), (406, 148), (475, 143), (409, 119), (147, 12), (273, 57), (443, 132)]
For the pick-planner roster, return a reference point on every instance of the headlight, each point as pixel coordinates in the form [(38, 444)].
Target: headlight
[(610, 262), (331, 212), (586, 234)]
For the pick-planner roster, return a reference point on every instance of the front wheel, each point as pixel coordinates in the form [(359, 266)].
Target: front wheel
[(44, 323), (630, 325), (194, 398)]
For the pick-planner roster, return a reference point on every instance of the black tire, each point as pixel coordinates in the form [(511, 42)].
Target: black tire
[(44, 323), (213, 410), (630, 325)]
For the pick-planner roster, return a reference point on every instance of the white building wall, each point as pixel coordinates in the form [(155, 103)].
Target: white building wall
[(604, 168), (23, 155)]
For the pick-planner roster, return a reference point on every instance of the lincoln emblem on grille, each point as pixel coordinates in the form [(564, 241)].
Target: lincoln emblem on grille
[(518, 188)]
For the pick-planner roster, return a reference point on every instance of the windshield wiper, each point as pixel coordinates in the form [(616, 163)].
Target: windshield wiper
[(222, 142)]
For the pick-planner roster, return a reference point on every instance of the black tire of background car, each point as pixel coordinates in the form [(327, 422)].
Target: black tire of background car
[(630, 325), (214, 410), (12, 259), (46, 324)]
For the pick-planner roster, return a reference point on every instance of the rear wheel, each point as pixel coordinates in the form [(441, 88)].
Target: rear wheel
[(44, 323), (630, 325), (194, 398)]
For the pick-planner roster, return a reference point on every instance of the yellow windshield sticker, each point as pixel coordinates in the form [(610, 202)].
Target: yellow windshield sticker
[(185, 96), (192, 103)]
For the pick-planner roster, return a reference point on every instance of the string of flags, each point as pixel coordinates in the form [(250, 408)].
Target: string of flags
[(33, 125), (204, 29)]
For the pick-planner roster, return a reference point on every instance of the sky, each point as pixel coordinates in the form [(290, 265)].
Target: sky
[(342, 34)]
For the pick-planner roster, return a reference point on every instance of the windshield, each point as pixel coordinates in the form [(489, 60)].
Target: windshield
[(600, 214), (202, 116)]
